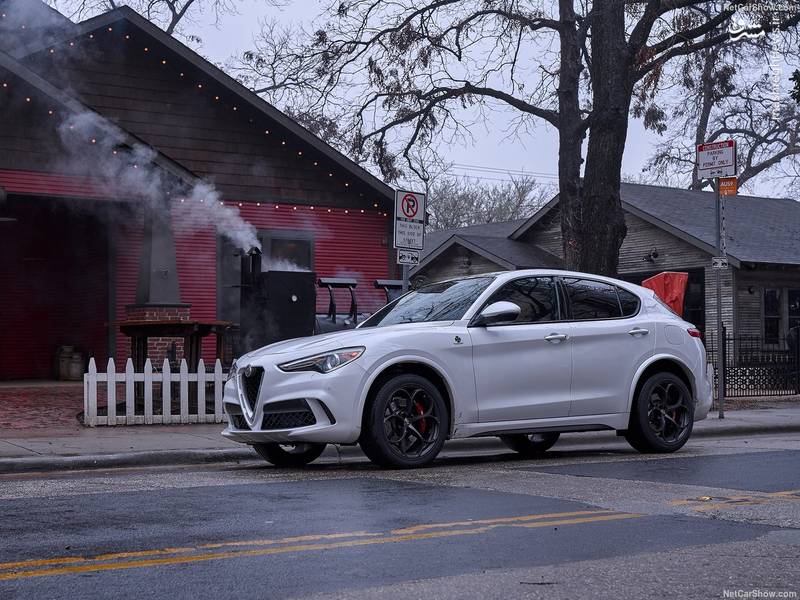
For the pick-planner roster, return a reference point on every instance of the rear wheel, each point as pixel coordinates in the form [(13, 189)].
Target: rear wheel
[(662, 416), (289, 455), (532, 444), (406, 425)]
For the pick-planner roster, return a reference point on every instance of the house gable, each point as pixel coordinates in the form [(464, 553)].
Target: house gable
[(457, 260), (642, 238), (131, 72)]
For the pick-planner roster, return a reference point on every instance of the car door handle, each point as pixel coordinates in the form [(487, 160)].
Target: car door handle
[(556, 338), (638, 331)]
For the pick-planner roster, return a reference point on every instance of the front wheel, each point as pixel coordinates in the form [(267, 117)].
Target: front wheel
[(530, 445), (289, 455), (407, 423), (662, 415)]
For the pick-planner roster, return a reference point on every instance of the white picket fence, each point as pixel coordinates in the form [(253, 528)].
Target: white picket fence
[(163, 382)]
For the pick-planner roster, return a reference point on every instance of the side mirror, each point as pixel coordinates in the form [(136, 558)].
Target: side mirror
[(497, 312)]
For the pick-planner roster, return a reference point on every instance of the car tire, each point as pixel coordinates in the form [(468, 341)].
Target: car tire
[(289, 455), (662, 415), (530, 445), (406, 424)]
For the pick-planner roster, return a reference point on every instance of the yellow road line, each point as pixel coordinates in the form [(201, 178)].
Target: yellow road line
[(498, 521), (271, 542), (385, 539), (160, 551)]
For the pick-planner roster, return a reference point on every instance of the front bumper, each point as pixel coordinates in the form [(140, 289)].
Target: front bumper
[(331, 397)]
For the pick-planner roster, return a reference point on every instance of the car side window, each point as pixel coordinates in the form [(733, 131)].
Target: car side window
[(536, 297), (629, 302), (592, 300)]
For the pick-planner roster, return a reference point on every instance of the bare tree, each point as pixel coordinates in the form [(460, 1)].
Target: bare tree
[(461, 201), (728, 91), (170, 15), (410, 73)]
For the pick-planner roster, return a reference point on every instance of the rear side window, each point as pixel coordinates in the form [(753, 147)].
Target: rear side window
[(536, 297), (591, 300), (629, 302)]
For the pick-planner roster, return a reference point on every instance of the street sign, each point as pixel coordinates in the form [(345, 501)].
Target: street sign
[(409, 220), (719, 262), (728, 186), (407, 257), (717, 159)]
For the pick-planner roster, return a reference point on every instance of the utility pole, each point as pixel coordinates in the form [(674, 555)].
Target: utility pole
[(721, 354)]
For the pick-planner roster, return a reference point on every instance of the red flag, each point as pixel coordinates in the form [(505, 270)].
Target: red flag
[(670, 286)]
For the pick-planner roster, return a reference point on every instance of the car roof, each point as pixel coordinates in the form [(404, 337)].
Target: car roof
[(503, 276)]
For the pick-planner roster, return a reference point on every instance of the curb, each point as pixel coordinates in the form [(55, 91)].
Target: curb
[(56, 463), (30, 464)]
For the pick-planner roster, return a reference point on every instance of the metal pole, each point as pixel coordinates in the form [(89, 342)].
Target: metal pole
[(720, 333), (405, 278)]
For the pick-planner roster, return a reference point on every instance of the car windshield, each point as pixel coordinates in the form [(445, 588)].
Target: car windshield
[(446, 301)]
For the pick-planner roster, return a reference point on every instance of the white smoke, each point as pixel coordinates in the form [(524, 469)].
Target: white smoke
[(282, 264), (127, 171)]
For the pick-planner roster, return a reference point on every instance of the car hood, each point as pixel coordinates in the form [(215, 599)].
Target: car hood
[(338, 339)]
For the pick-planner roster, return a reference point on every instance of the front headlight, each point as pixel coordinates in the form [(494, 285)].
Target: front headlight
[(325, 362), (231, 372)]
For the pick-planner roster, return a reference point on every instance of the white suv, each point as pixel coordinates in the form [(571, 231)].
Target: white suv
[(523, 355)]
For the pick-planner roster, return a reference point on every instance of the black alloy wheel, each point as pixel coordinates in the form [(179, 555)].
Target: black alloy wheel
[(289, 455), (663, 415), (406, 424)]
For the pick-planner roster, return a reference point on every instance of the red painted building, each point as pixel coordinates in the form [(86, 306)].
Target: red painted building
[(102, 122)]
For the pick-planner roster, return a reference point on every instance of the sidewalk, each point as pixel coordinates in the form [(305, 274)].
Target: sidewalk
[(77, 447)]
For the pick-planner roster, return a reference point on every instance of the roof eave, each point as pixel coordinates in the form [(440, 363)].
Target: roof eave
[(454, 240)]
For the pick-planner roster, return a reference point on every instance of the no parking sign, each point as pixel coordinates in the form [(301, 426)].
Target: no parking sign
[(409, 220)]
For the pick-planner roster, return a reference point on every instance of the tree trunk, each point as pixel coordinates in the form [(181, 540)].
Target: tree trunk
[(570, 131), (598, 226), (707, 84)]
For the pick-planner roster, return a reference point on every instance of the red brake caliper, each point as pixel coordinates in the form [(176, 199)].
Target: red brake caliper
[(423, 425)]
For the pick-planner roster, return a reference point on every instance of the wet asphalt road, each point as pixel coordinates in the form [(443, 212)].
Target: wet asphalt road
[(586, 520)]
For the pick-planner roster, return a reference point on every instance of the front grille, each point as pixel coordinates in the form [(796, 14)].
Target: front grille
[(288, 420), (288, 414), (251, 384), (238, 421)]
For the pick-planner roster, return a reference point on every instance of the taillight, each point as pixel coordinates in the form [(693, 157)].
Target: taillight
[(693, 332)]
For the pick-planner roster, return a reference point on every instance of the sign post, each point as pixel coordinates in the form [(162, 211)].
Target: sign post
[(409, 229), (714, 161)]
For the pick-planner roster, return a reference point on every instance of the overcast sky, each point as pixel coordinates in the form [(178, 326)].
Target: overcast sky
[(538, 153)]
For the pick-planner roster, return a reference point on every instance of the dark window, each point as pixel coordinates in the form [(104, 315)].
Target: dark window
[(592, 299), (536, 297), (772, 316), (794, 308), (629, 302), (287, 251)]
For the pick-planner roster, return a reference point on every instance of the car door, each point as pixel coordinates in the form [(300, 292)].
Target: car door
[(609, 342), (523, 368)]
